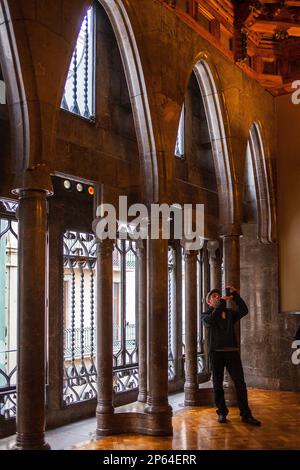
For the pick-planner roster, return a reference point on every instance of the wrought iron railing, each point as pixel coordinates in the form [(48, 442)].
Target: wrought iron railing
[(8, 388), (8, 308), (80, 372), (171, 314), (76, 336)]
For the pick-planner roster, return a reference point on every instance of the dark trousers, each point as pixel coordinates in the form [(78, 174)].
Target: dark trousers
[(232, 361)]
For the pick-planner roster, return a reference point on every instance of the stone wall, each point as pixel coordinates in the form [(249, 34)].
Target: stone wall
[(266, 334)]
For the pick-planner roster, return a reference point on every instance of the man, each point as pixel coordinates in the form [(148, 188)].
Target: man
[(224, 352)]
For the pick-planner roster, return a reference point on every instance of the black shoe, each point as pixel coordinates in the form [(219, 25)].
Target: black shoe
[(251, 420), (222, 419)]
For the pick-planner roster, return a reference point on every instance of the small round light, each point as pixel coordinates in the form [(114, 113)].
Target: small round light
[(79, 187), (67, 184), (91, 190)]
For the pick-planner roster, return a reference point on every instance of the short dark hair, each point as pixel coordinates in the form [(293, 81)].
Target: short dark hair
[(211, 292)]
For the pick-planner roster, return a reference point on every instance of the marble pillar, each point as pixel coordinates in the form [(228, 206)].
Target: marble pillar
[(231, 264), (157, 344), (142, 315), (105, 409), (191, 382), (31, 357), (214, 264)]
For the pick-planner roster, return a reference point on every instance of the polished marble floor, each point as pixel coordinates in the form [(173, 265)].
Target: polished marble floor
[(197, 428)]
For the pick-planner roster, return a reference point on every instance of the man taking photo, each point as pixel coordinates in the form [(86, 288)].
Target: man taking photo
[(224, 351)]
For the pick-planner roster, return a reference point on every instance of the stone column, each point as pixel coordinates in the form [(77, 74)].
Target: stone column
[(205, 272), (142, 315), (31, 359), (231, 264), (214, 264), (105, 409), (231, 259), (157, 347), (191, 381)]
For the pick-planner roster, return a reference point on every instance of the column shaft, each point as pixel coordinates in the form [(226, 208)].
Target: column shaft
[(142, 315), (231, 260), (157, 400), (191, 382), (105, 409), (31, 361), (231, 263), (214, 264)]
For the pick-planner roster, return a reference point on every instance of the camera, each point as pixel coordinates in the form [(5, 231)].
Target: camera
[(227, 292)]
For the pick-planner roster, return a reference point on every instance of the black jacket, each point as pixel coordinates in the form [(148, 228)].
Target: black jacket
[(221, 334), (297, 333)]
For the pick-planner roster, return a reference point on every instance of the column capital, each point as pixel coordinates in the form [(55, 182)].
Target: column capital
[(186, 244), (190, 254), (230, 230), (140, 245), (212, 247), (36, 178)]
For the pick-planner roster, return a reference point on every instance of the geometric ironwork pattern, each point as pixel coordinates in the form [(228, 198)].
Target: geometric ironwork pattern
[(171, 314), (8, 308), (124, 332), (80, 374), (79, 256)]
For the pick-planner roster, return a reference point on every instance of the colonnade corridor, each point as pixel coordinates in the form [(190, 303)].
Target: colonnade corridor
[(149, 228)]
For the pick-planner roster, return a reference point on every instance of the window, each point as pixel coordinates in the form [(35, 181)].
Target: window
[(2, 92), (79, 88), (8, 308), (179, 147)]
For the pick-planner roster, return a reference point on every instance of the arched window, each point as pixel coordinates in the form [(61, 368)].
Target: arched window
[(2, 89), (179, 147), (79, 88)]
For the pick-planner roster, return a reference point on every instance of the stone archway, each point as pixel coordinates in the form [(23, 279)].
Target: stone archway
[(259, 267), (218, 128), (138, 95), (16, 96), (264, 189)]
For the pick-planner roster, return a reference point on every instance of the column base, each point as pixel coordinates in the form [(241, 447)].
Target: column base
[(30, 443), (105, 423), (146, 423), (191, 395), (142, 397), (199, 397)]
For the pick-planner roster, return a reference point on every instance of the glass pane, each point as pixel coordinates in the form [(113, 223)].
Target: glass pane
[(79, 88), (8, 316), (179, 146), (79, 281)]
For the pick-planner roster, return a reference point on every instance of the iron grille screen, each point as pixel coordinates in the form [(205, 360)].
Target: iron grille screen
[(8, 308), (79, 282)]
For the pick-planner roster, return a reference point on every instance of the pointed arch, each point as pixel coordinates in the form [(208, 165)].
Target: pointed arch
[(264, 187), (218, 129), (16, 96), (138, 94), (29, 151)]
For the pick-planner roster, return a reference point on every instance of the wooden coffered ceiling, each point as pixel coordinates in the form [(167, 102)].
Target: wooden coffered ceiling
[(260, 36)]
